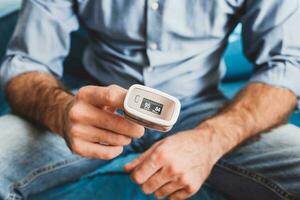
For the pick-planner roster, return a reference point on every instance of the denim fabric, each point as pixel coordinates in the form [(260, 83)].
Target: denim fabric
[(34, 161)]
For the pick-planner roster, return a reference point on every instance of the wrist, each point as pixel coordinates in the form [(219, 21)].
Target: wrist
[(217, 136), (57, 120), (63, 126)]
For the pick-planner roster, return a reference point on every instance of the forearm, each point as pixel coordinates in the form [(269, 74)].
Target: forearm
[(257, 108), (40, 98)]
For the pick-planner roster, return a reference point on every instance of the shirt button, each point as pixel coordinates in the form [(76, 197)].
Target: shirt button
[(155, 6), (153, 46), (150, 69)]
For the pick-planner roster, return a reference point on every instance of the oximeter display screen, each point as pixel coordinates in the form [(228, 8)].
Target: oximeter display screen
[(151, 106)]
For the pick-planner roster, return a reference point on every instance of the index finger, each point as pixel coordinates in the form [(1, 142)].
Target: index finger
[(144, 171), (147, 168), (98, 96)]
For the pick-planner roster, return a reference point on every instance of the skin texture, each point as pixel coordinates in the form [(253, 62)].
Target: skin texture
[(164, 170), (86, 121), (178, 174)]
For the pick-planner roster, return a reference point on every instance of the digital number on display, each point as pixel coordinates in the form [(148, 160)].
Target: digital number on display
[(151, 106)]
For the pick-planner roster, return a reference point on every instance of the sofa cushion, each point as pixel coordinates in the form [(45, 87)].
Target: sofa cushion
[(237, 66), (8, 6), (7, 23)]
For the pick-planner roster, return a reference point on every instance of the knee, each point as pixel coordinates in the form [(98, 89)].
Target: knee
[(286, 138), (280, 149), (275, 156), (10, 121), (15, 132)]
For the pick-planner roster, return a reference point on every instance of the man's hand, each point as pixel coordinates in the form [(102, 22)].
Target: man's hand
[(92, 129), (87, 121), (176, 166)]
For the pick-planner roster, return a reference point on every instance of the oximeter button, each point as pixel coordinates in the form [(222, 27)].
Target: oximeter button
[(137, 98)]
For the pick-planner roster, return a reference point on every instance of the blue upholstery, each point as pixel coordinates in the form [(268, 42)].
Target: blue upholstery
[(102, 186), (8, 6), (7, 21), (238, 68)]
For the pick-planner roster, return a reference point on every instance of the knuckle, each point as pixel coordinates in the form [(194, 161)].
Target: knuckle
[(160, 155), (82, 92), (183, 180), (172, 170), (155, 157), (191, 189), (111, 94), (74, 113), (113, 87)]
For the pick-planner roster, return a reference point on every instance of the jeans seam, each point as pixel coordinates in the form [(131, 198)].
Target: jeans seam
[(258, 178), (38, 172)]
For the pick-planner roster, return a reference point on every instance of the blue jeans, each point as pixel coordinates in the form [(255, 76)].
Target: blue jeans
[(266, 167)]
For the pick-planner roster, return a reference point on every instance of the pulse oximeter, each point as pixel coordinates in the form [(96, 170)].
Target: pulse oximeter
[(151, 108)]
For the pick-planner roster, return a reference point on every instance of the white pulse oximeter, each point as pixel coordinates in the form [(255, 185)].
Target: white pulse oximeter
[(151, 108)]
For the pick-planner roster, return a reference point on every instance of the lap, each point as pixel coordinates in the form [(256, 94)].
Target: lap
[(35, 160), (31, 156), (266, 167)]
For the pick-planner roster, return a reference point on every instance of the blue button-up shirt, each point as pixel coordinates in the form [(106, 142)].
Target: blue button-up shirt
[(173, 45)]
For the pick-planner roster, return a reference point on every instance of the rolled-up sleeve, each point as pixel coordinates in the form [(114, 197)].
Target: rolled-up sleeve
[(272, 42), (41, 39)]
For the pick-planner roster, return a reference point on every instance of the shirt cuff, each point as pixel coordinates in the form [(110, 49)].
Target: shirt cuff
[(13, 66), (284, 75)]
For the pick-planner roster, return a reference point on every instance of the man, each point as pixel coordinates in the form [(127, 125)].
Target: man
[(174, 46)]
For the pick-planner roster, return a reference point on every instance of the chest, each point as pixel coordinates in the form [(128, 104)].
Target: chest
[(135, 19)]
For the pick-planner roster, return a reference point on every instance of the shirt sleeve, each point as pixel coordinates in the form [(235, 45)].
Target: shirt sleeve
[(272, 43), (41, 39)]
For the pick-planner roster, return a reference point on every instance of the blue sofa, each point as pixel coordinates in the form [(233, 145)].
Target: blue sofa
[(93, 186)]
